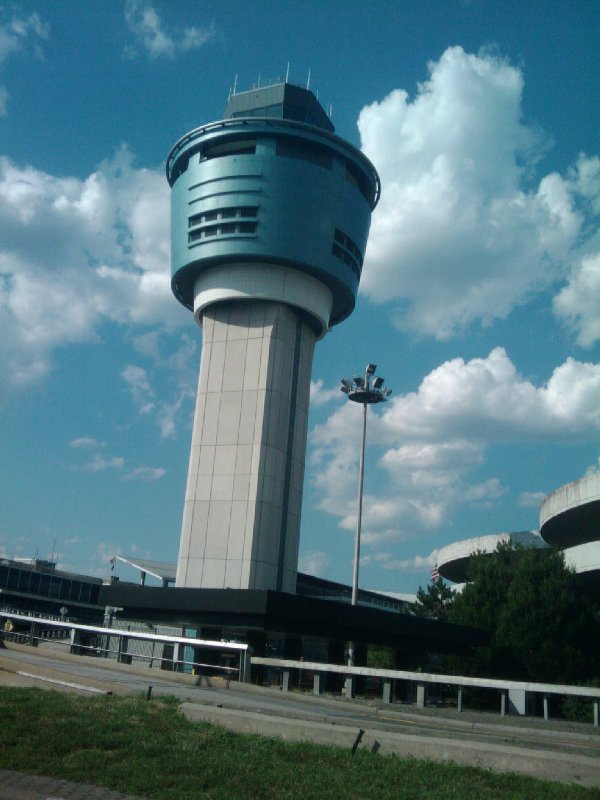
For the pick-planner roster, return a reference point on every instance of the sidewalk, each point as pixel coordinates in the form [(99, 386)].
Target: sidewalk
[(20, 786)]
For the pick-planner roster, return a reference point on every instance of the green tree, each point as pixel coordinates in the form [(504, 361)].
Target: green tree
[(541, 625), (435, 601), (380, 657)]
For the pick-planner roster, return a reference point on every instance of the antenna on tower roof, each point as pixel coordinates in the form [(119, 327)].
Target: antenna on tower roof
[(287, 72), (308, 81), (235, 84)]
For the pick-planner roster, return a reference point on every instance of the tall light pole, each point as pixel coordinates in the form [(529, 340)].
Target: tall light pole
[(367, 390)]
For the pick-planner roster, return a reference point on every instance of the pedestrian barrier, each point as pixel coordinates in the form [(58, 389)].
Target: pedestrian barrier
[(423, 680)]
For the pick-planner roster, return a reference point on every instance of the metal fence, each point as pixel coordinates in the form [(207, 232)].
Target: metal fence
[(115, 643)]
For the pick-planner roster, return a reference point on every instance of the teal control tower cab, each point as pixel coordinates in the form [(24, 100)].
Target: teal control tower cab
[(270, 214)]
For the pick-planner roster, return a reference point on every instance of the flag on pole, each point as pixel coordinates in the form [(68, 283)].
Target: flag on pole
[(435, 575), (113, 561)]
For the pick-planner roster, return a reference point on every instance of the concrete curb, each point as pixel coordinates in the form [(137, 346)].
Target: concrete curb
[(541, 764), (326, 712)]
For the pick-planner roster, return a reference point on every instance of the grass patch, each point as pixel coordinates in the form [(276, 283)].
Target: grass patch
[(148, 749)]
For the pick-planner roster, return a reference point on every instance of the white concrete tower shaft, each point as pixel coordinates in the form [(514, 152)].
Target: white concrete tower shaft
[(241, 522)]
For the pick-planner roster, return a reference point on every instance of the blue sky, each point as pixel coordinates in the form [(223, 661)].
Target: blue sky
[(480, 291)]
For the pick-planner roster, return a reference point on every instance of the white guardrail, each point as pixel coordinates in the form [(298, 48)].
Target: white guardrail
[(424, 679), (75, 636)]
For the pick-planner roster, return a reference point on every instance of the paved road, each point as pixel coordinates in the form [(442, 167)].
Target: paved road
[(516, 742)]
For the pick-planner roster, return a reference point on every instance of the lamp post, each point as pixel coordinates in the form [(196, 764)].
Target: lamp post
[(367, 390)]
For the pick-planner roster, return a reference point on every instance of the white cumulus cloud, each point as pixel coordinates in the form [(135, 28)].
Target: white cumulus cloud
[(86, 441), (415, 564), (314, 562), (319, 395), (146, 474), (19, 34), (531, 499), (463, 232), (76, 253), (99, 464), (579, 301), (178, 365), (150, 33), (432, 442), (136, 379), (486, 399)]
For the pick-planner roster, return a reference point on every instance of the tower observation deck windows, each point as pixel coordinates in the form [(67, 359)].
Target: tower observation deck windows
[(231, 147), (346, 250), (289, 147), (231, 212), (275, 111), (210, 231), (229, 221), (180, 166), (357, 179)]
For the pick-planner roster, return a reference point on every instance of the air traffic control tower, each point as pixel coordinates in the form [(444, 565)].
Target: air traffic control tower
[(270, 213)]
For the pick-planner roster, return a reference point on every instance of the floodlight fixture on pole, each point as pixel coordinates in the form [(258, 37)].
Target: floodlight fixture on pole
[(367, 391)]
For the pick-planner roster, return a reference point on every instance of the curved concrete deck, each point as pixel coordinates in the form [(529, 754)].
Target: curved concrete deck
[(453, 559), (570, 515)]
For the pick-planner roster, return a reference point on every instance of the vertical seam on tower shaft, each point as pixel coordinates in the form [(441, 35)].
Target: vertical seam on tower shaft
[(288, 452), (235, 460)]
